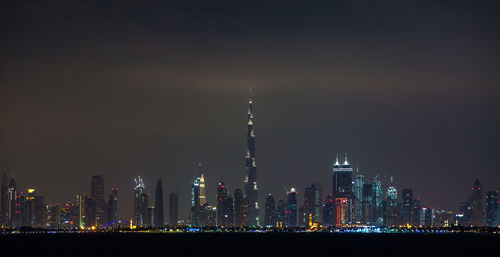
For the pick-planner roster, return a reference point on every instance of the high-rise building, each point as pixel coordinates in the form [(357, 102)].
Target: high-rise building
[(40, 212), (158, 221), (12, 198), (426, 217), (227, 210), (378, 197), (221, 197), (406, 206), (492, 209), (150, 216), (312, 203), (251, 188), (291, 208), (329, 211), (54, 219), (342, 186), (203, 194), (112, 205), (391, 206), (141, 201), (173, 204), (477, 214), (195, 214), (240, 209), (281, 214), (358, 197), (417, 207), (97, 194), (4, 202), (29, 209), (270, 212)]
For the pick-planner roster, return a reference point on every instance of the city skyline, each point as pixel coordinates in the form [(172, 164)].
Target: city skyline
[(152, 89)]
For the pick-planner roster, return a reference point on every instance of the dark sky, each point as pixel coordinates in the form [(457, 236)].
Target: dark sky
[(151, 88)]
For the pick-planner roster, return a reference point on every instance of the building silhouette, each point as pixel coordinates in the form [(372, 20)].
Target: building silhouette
[(477, 201), (406, 206), (221, 197), (173, 201), (281, 214), (312, 203), (113, 205), (158, 211), (291, 208), (270, 211), (98, 205), (251, 189), (342, 190), (240, 209)]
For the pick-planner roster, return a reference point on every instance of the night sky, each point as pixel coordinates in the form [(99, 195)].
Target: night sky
[(128, 88)]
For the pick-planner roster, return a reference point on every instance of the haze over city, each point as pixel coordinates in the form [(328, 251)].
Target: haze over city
[(151, 89)]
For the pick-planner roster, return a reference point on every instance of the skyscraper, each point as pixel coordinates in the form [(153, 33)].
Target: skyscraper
[(329, 210), (97, 194), (281, 214), (240, 209), (477, 213), (291, 208), (12, 196), (251, 188), (358, 197), (173, 202), (270, 212), (377, 203), (195, 214), (4, 201), (391, 207), (492, 208), (203, 193), (112, 205), (312, 203), (158, 215), (406, 206), (141, 201), (367, 203), (342, 188), (221, 197)]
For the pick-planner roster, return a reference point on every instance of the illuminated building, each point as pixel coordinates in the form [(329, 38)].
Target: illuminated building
[(391, 206), (341, 211), (406, 206), (173, 204), (4, 202), (281, 214), (302, 217), (12, 196), (240, 209), (342, 184), (426, 217), (477, 212), (54, 218), (221, 197), (195, 214), (29, 209), (312, 203), (270, 212), (329, 211), (378, 215), (291, 208), (113, 205), (358, 197), (367, 204), (251, 189), (228, 217), (141, 201), (158, 220), (492, 208), (99, 204), (203, 194)]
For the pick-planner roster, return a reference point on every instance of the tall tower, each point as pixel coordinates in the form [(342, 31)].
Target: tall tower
[(203, 194), (12, 196), (158, 215), (97, 194), (174, 209), (141, 200), (477, 204), (251, 188)]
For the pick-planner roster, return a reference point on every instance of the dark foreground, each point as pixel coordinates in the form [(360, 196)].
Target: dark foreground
[(249, 244)]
